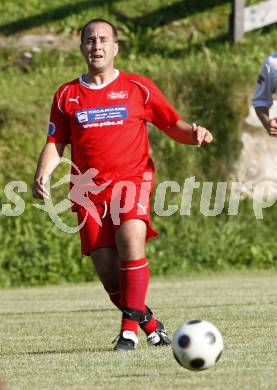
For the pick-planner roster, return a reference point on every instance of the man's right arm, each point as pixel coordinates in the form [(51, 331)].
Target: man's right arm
[(48, 160), (269, 124)]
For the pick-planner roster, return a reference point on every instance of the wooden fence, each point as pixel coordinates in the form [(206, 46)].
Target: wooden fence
[(244, 19)]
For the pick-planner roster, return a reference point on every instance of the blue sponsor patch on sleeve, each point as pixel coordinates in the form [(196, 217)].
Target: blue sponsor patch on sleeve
[(51, 128), (101, 114)]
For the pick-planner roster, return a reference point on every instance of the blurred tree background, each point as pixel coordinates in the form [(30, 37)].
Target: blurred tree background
[(184, 47)]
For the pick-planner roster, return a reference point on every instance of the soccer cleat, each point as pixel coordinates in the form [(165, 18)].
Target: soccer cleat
[(126, 341), (159, 336)]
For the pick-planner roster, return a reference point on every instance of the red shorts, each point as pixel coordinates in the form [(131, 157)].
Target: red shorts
[(94, 236)]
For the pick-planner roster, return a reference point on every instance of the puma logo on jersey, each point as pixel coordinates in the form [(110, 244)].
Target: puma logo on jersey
[(76, 100), (142, 207)]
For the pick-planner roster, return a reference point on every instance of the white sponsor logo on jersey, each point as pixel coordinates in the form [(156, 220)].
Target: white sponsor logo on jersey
[(117, 95)]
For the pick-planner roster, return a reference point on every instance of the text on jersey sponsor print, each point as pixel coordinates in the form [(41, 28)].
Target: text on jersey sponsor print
[(102, 113)]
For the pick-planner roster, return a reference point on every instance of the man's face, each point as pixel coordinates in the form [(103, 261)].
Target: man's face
[(99, 47)]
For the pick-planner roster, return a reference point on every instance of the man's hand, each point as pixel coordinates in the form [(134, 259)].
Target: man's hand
[(48, 160), (39, 187), (201, 135), (271, 127), (269, 124), (186, 134)]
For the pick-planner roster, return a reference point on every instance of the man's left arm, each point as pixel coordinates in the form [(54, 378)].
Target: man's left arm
[(164, 116), (193, 134)]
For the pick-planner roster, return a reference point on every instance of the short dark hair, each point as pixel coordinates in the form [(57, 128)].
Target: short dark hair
[(98, 20)]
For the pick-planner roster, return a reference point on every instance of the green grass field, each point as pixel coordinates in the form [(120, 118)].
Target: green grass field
[(60, 337)]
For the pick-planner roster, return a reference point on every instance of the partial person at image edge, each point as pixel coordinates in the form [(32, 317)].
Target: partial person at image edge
[(263, 97)]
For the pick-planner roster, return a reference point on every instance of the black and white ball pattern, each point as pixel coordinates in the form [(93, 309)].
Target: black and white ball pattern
[(197, 345)]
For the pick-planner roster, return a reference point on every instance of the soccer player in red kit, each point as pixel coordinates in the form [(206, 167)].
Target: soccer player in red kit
[(103, 116)]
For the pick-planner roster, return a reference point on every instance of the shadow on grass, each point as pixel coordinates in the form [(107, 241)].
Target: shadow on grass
[(57, 351), (51, 15), (191, 306), (57, 312), (137, 375), (161, 16), (168, 14)]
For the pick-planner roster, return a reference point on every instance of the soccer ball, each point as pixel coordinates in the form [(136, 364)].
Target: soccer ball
[(197, 345)]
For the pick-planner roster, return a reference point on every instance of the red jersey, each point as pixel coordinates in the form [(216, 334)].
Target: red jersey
[(106, 124)]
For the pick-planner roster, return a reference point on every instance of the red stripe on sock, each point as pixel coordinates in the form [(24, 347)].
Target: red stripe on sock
[(134, 280)]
